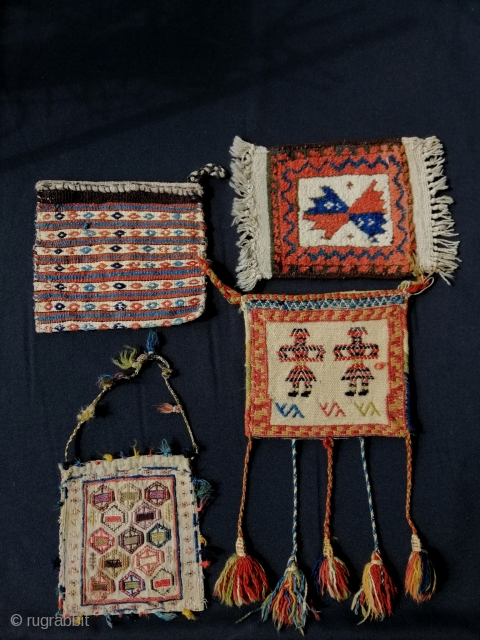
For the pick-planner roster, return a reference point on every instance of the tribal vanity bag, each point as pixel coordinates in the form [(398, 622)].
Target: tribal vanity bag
[(116, 255), (326, 366), (340, 210), (129, 535)]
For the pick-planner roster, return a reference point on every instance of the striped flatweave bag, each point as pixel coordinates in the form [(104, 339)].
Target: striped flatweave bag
[(115, 255)]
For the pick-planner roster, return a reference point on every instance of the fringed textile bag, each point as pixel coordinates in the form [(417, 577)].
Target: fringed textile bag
[(326, 366), (129, 535), (118, 255)]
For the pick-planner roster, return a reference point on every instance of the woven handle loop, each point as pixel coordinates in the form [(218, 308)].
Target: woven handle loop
[(129, 360), (210, 169)]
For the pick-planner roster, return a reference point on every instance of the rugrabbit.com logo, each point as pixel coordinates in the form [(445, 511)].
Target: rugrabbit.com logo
[(47, 622)]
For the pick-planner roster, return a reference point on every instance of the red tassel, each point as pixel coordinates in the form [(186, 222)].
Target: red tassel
[(375, 597), (243, 579), (168, 408), (331, 575)]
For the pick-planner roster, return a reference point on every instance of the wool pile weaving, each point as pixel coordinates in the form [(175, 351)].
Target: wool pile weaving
[(129, 538), (370, 209), (117, 255)]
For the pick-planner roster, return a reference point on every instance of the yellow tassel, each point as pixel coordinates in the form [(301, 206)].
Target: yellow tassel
[(136, 452), (77, 621), (188, 614), (203, 541), (126, 358), (87, 413), (108, 456)]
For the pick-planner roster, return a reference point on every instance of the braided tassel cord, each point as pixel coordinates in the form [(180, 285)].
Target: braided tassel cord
[(375, 597), (420, 577), (288, 602), (330, 573), (243, 579)]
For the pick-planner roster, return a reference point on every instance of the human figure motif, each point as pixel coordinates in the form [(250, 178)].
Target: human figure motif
[(301, 352), (358, 351)]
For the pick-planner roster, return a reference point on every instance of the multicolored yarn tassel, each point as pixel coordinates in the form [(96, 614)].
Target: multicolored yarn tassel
[(243, 579), (420, 577), (375, 597), (288, 602), (330, 573)]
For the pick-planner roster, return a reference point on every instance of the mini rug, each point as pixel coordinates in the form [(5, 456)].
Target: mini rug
[(371, 209), (114, 255)]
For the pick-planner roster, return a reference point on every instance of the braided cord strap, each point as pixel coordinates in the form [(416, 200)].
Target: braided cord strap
[(293, 557), (369, 494), (230, 295), (130, 360), (209, 170), (327, 545), (240, 545), (408, 502)]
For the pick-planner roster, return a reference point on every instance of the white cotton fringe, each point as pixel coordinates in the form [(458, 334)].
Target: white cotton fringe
[(443, 250), (246, 214)]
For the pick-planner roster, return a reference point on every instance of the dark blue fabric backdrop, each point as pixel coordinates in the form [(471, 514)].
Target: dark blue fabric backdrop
[(150, 91)]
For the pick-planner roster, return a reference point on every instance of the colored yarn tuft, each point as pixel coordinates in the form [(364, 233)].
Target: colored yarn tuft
[(127, 358), (243, 579), (165, 615), (189, 615), (165, 449), (331, 574), (105, 381), (288, 602), (420, 577), (108, 457), (152, 342), (203, 489), (87, 413), (375, 597), (165, 407)]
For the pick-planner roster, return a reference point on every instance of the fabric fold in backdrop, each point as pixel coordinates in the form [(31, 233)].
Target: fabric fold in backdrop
[(372, 209), (118, 255)]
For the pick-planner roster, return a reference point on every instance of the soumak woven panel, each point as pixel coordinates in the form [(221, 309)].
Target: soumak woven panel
[(117, 255), (326, 365), (369, 209), (129, 538)]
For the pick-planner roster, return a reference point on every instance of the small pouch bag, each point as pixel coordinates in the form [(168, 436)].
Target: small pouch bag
[(117, 255), (129, 535), (326, 366)]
